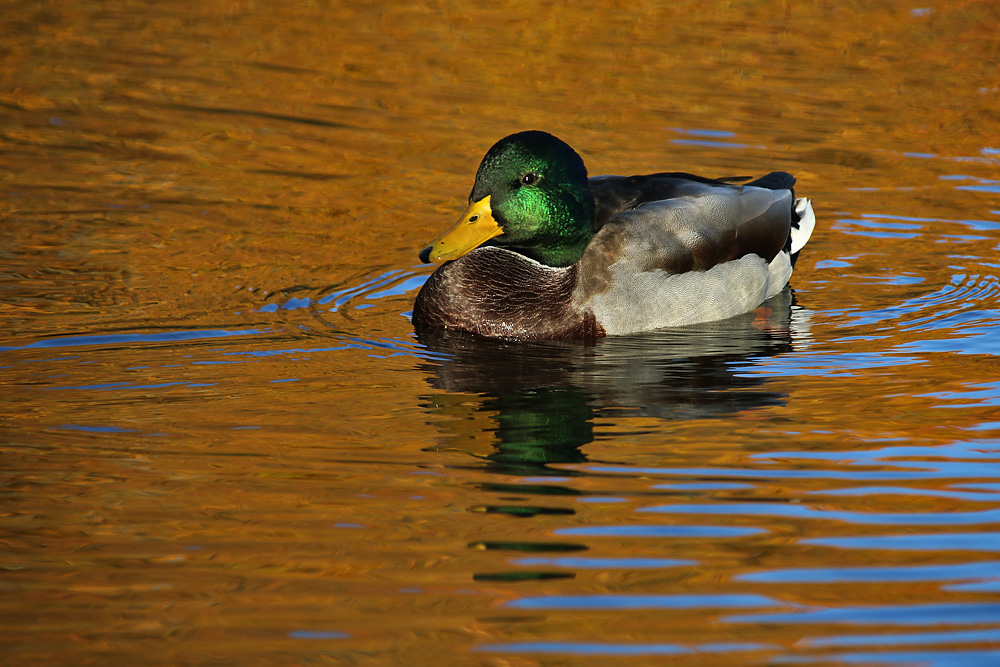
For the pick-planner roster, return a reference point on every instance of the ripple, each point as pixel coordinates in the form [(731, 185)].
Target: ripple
[(703, 486), (583, 648), (943, 470), (936, 542), (605, 563), (831, 365), (592, 648), (989, 586), (956, 451), (703, 132), (706, 143), (912, 614), (974, 340), (877, 227), (796, 511), (578, 602), (909, 491), (873, 574), (979, 395), (127, 339), (971, 658), (831, 264), (390, 283), (317, 634), (660, 531), (96, 429), (978, 225), (951, 311), (115, 386), (393, 347), (961, 637)]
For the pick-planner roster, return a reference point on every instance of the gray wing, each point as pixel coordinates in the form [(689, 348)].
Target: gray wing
[(702, 226)]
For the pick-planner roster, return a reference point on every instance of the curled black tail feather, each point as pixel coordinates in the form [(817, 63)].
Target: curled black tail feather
[(776, 180)]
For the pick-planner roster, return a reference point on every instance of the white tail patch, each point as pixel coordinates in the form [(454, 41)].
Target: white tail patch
[(807, 222)]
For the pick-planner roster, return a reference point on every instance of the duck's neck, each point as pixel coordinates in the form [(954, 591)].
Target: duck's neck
[(564, 252), (566, 235)]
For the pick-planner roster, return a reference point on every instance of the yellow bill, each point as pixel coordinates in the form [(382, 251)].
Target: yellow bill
[(474, 228)]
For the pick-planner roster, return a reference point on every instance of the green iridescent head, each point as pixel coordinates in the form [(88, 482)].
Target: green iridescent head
[(530, 196)]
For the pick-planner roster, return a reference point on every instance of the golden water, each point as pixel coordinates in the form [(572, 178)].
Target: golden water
[(222, 444)]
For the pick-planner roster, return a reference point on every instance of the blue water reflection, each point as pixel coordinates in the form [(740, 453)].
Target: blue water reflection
[(946, 471), (592, 563), (982, 541), (875, 573), (923, 638), (659, 531), (924, 658), (869, 491), (318, 634), (796, 511), (129, 339), (951, 613), (607, 601), (622, 649)]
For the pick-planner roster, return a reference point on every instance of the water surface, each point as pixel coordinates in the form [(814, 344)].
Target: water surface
[(223, 444)]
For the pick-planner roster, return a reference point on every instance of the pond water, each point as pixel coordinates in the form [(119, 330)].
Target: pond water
[(223, 443)]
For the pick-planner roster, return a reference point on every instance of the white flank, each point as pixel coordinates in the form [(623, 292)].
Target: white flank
[(670, 300)]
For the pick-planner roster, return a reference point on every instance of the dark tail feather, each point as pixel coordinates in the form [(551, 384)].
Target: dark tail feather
[(776, 180)]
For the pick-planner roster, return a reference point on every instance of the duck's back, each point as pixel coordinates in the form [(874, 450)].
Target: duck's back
[(708, 250)]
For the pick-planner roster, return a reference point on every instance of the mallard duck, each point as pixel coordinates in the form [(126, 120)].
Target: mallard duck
[(545, 252)]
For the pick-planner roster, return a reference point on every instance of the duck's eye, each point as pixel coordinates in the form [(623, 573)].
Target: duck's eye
[(529, 178)]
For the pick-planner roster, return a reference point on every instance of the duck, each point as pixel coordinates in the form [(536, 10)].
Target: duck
[(545, 252)]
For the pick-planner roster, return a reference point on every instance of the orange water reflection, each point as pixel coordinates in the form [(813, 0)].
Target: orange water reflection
[(261, 463)]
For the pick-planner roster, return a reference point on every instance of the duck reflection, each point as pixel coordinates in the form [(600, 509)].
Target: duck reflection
[(540, 398)]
